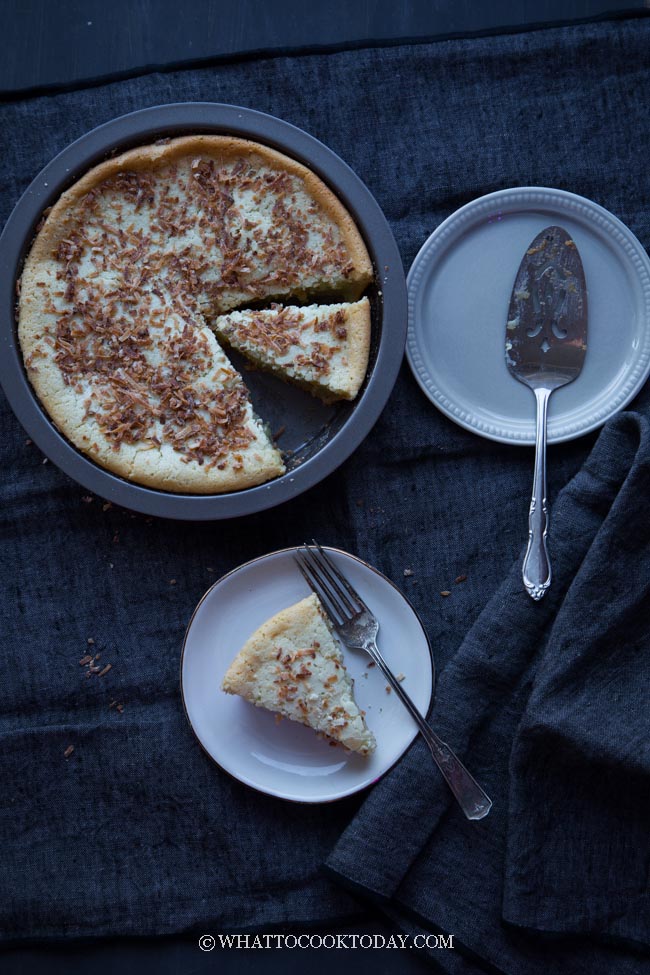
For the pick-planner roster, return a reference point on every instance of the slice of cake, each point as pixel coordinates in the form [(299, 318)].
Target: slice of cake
[(293, 665), (323, 348)]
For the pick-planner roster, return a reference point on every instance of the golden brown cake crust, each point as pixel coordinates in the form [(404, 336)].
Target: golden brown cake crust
[(292, 665), (218, 147), (173, 464), (321, 348)]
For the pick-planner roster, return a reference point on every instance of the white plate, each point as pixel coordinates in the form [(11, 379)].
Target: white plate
[(459, 288), (287, 759)]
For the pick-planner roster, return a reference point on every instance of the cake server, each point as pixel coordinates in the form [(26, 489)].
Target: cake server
[(546, 343)]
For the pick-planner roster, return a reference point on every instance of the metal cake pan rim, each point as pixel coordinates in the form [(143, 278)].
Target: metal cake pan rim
[(175, 119)]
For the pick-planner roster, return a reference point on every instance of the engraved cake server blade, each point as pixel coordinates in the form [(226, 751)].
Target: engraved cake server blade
[(546, 342)]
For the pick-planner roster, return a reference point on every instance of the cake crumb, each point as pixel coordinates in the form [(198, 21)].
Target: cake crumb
[(445, 592), (408, 572), (68, 752), (460, 579)]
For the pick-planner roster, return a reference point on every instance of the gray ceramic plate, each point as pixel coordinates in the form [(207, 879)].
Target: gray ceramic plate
[(288, 760), (319, 438), (459, 289)]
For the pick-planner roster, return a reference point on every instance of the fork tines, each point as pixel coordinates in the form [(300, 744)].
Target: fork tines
[(340, 600)]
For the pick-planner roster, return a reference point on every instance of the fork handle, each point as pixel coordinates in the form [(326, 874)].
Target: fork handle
[(470, 796), (536, 570)]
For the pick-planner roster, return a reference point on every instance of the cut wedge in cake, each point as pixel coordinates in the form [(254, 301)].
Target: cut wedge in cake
[(293, 665), (128, 271), (323, 348)]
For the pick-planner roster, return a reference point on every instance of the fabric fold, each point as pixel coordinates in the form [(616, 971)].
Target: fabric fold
[(578, 851), (410, 844)]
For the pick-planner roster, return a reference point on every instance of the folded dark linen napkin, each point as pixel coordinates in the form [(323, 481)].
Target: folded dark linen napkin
[(549, 703), (135, 831)]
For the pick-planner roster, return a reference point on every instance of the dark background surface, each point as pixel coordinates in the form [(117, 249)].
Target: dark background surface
[(65, 44)]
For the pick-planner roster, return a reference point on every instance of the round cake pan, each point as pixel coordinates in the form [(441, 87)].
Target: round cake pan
[(320, 439)]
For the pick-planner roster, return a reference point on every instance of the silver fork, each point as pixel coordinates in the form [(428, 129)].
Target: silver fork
[(357, 628)]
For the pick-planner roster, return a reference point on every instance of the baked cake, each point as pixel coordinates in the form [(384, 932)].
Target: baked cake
[(127, 276), (293, 665), (323, 348)]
